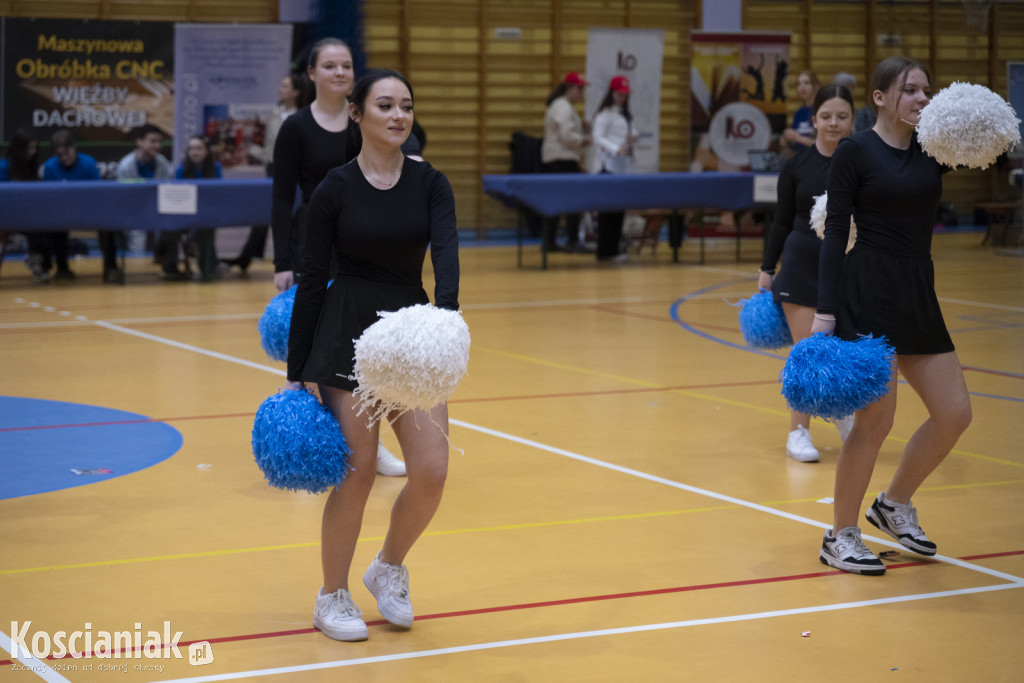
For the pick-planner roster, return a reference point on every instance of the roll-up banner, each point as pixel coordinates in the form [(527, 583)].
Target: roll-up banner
[(635, 54), (227, 85)]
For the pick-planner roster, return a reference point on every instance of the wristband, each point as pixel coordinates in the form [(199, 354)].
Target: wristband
[(830, 318)]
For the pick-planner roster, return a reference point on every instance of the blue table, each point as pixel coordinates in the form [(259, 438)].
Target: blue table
[(110, 205), (553, 194)]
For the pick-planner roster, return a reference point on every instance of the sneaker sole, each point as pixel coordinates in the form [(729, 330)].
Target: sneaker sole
[(850, 568), (395, 620), (906, 541), (346, 636)]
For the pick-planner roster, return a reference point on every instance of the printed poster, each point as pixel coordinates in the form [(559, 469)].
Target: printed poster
[(99, 79), (228, 77), (738, 97)]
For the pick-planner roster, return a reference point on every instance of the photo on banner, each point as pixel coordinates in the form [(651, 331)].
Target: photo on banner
[(99, 79), (738, 84), (228, 77), (637, 55)]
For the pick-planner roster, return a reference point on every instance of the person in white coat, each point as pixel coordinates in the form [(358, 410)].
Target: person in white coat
[(614, 139), (564, 140)]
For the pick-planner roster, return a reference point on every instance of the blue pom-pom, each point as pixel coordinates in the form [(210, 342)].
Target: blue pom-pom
[(831, 378), (298, 444), (275, 323), (763, 323)]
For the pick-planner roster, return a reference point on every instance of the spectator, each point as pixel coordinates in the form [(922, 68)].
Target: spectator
[(146, 162), (22, 163), (801, 134), (67, 163), (614, 138), (865, 117), (564, 140), (199, 163)]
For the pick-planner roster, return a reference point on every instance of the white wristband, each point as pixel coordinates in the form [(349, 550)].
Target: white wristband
[(828, 317)]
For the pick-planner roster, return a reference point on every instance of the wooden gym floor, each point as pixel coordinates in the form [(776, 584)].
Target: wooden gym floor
[(624, 509)]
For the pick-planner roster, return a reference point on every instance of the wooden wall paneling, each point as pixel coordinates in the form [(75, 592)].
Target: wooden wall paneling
[(808, 23), (482, 102), (845, 36)]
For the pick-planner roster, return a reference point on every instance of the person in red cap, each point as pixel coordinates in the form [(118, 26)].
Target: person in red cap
[(564, 140), (614, 138)]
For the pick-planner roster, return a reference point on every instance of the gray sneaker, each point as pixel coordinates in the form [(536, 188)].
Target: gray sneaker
[(900, 522), (338, 617), (389, 583), (846, 551)]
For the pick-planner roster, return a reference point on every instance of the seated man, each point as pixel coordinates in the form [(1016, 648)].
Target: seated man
[(67, 164), (147, 162)]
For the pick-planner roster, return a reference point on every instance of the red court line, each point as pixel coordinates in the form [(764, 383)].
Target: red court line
[(565, 601), (127, 422), (610, 392)]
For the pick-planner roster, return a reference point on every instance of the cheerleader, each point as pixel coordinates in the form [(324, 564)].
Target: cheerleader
[(796, 288), (377, 214), (885, 286)]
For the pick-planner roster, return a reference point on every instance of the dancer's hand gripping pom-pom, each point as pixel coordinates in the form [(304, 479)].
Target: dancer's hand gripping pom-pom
[(275, 323), (830, 378), (967, 125), (298, 444), (763, 323), (818, 214), (413, 358)]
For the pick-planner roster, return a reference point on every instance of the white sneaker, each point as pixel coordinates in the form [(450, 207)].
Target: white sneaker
[(799, 446), (387, 463), (389, 583), (338, 617), (844, 425), (846, 551)]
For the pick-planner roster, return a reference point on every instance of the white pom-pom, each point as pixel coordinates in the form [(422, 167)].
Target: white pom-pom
[(967, 125), (411, 358), (818, 214)]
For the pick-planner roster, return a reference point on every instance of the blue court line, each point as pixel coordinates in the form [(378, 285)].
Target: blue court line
[(674, 313)]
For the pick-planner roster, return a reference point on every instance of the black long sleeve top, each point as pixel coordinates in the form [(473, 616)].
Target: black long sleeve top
[(893, 195), (379, 236), (303, 154), (801, 179)]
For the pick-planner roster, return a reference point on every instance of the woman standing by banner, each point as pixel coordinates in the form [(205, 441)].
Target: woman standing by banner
[(614, 138), (564, 140)]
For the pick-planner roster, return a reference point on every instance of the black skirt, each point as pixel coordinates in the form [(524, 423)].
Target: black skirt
[(884, 294), (797, 281), (351, 305)]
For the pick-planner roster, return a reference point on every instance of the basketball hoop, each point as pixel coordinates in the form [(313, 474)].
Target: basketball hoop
[(977, 12)]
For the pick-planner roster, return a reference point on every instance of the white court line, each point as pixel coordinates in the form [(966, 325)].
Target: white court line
[(133, 321), (965, 302), (718, 496), (587, 634), (29, 661), (189, 347)]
